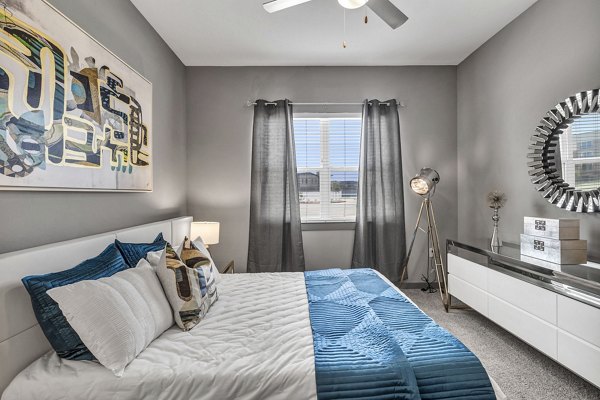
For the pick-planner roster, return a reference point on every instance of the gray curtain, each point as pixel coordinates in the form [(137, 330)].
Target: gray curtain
[(275, 243), (380, 238)]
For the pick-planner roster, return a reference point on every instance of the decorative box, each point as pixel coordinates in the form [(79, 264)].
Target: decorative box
[(562, 229), (554, 250)]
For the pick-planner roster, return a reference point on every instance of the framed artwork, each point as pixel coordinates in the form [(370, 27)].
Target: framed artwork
[(73, 116)]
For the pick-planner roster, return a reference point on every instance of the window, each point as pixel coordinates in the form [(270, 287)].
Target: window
[(327, 154), (580, 152)]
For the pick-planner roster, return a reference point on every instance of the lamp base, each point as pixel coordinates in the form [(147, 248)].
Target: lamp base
[(427, 288), (432, 234)]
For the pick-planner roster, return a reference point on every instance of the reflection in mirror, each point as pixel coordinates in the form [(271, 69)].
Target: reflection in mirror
[(579, 153), (564, 153)]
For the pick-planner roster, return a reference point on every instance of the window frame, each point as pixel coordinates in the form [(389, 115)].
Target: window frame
[(325, 170)]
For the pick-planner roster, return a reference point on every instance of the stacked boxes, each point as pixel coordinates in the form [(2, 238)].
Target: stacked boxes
[(553, 240)]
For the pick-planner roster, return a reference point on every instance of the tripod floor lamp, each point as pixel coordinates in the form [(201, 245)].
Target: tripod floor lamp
[(424, 185)]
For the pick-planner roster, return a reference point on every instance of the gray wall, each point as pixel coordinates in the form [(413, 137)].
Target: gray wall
[(34, 218), (504, 88), (219, 143)]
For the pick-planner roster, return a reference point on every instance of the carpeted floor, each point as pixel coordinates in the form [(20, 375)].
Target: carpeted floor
[(521, 371)]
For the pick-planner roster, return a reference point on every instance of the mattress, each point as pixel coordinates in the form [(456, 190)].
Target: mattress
[(255, 343)]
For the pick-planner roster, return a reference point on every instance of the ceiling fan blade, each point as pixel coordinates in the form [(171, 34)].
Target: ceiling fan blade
[(278, 5), (388, 12)]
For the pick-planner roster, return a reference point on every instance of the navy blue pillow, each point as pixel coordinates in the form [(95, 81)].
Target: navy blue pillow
[(134, 252), (60, 334)]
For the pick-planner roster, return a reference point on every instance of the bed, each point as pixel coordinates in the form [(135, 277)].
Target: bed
[(270, 336)]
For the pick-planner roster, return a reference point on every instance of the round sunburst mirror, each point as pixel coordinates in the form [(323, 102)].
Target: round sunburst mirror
[(564, 153)]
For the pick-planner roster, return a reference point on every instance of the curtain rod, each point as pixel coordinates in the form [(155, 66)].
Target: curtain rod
[(251, 103)]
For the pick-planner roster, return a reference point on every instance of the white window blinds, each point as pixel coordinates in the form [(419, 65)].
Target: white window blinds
[(327, 155), (580, 152)]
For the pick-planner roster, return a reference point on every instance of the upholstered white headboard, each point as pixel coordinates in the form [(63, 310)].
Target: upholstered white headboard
[(21, 339)]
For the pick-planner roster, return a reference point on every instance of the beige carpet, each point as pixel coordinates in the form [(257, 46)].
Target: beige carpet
[(521, 371)]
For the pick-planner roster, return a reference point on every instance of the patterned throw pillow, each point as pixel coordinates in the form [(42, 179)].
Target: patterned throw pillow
[(134, 252), (193, 257), (183, 287), (204, 250)]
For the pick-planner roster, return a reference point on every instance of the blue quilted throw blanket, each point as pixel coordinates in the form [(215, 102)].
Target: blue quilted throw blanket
[(371, 342)]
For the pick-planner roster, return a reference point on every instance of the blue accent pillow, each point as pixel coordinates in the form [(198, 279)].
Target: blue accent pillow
[(64, 340), (134, 252)]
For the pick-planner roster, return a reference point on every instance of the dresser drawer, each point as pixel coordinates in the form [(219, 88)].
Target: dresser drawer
[(531, 329), (468, 294), (535, 300), (579, 356), (468, 271), (579, 319)]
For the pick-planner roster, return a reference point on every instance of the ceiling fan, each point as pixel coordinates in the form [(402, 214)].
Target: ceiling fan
[(384, 9)]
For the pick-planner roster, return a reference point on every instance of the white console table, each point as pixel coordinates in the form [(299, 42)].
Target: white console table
[(555, 309)]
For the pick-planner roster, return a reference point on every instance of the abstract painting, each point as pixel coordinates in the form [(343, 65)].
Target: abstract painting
[(73, 116)]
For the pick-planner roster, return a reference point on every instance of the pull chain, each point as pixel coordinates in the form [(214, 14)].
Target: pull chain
[(344, 45), (366, 14)]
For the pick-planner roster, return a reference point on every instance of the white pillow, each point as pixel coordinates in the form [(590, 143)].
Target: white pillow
[(154, 258), (116, 317)]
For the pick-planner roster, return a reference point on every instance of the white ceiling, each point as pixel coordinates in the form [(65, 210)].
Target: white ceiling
[(240, 32)]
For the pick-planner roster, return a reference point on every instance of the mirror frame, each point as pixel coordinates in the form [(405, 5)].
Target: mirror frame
[(544, 172)]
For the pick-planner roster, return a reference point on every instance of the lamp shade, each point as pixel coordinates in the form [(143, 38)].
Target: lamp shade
[(207, 231), (425, 181)]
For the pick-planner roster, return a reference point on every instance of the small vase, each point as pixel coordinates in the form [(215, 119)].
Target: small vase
[(496, 241)]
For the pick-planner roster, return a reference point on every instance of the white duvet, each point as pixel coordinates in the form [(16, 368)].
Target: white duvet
[(255, 343)]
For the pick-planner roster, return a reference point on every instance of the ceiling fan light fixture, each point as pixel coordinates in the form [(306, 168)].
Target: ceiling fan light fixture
[(352, 4)]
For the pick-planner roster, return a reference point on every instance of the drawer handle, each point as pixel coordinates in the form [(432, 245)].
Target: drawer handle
[(538, 245), (540, 225)]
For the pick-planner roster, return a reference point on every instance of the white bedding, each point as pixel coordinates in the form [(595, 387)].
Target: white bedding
[(255, 343)]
